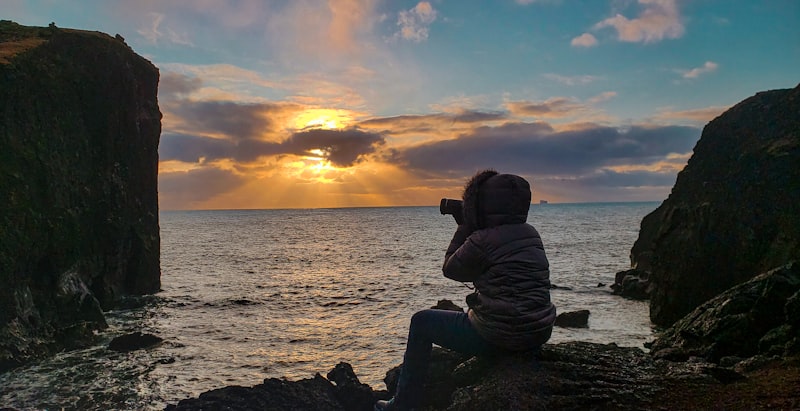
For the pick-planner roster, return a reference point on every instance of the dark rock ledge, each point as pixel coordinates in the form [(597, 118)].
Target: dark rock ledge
[(566, 376)]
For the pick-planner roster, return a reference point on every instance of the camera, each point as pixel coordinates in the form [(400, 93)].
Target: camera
[(450, 206)]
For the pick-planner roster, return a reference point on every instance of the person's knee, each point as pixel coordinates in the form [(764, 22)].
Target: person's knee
[(421, 319)]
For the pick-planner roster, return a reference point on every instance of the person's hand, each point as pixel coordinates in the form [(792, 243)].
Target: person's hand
[(459, 217)]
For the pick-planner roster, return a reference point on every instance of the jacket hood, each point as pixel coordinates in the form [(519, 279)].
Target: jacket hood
[(492, 199)]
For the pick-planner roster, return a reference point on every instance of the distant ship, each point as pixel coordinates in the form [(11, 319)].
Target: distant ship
[(542, 201)]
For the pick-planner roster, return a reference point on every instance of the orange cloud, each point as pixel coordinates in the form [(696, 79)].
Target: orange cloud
[(701, 115), (584, 40), (414, 23), (660, 19)]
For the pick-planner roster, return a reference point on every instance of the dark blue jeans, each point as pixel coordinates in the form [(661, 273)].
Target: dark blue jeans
[(448, 329)]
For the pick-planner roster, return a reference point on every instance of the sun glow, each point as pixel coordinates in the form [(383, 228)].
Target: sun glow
[(322, 118)]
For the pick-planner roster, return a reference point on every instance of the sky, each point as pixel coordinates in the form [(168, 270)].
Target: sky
[(358, 103)]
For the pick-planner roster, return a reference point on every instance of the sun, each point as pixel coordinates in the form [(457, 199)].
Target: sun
[(323, 118)]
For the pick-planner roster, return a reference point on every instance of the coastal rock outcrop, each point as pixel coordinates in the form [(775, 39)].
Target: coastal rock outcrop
[(633, 284), (573, 319), (734, 211), (79, 133), (566, 376), (756, 317)]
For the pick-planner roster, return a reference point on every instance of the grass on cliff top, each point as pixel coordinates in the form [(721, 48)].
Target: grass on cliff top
[(16, 38), (10, 49)]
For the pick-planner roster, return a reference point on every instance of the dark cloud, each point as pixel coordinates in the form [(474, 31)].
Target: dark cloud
[(236, 121), (637, 178), (536, 149), (470, 116), (188, 189), (342, 148), (557, 107), (429, 122), (192, 149), (172, 85)]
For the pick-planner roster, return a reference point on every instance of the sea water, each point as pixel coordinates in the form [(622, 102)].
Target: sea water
[(254, 294)]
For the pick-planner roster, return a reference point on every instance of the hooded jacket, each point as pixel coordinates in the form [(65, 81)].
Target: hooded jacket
[(504, 258)]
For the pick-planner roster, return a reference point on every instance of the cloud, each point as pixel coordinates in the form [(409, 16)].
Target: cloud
[(431, 126), (233, 120), (155, 33), (414, 23), (660, 19), (708, 67), (702, 115), (188, 189), (537, 149), (571, 80), (584, 40), (638, 178), (173, 85), (527, 2), (347, 18), (343, 148), (463, 116), (602, 97), (552, 108)]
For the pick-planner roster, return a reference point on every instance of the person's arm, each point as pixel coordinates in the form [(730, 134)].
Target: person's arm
[(464, 259)]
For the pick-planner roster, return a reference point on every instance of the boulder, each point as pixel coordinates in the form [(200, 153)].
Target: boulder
[(133, 341), (447, 305), (633, 284), (746, 320), (78, 170), (272, 395), (733, 212), (352, 393), (573, 319)]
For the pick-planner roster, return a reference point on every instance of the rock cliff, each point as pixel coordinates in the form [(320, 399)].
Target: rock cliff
[(79, 132), (734, 211), (758, 317)]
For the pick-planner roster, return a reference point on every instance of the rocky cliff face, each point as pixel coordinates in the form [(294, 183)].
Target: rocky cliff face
[(734, 211), (79, 131)]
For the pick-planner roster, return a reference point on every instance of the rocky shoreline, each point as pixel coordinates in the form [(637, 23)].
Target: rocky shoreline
[(725, 364), (566, 376)]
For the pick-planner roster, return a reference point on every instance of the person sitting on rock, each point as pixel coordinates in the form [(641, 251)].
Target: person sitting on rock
[(503, 256)]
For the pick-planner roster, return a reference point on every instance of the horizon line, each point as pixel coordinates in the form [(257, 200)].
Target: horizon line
[(396, 206)]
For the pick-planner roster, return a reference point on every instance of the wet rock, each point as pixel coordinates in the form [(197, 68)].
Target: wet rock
[(447, 305), (792, 310), (352, 394), (558, 287), (440, 383), (723, 375), (573, 319), (633, 284), (565, 376), (734, 211), (272, 395), (134, 341), (740, 322), (671, 354)]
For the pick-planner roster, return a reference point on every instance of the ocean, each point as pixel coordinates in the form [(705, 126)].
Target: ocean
[(253, 294)]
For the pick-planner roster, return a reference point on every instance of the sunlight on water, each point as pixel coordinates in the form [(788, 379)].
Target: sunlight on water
[(249, 295)]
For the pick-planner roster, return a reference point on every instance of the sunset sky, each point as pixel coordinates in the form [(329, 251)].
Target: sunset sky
[(339, 103)]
